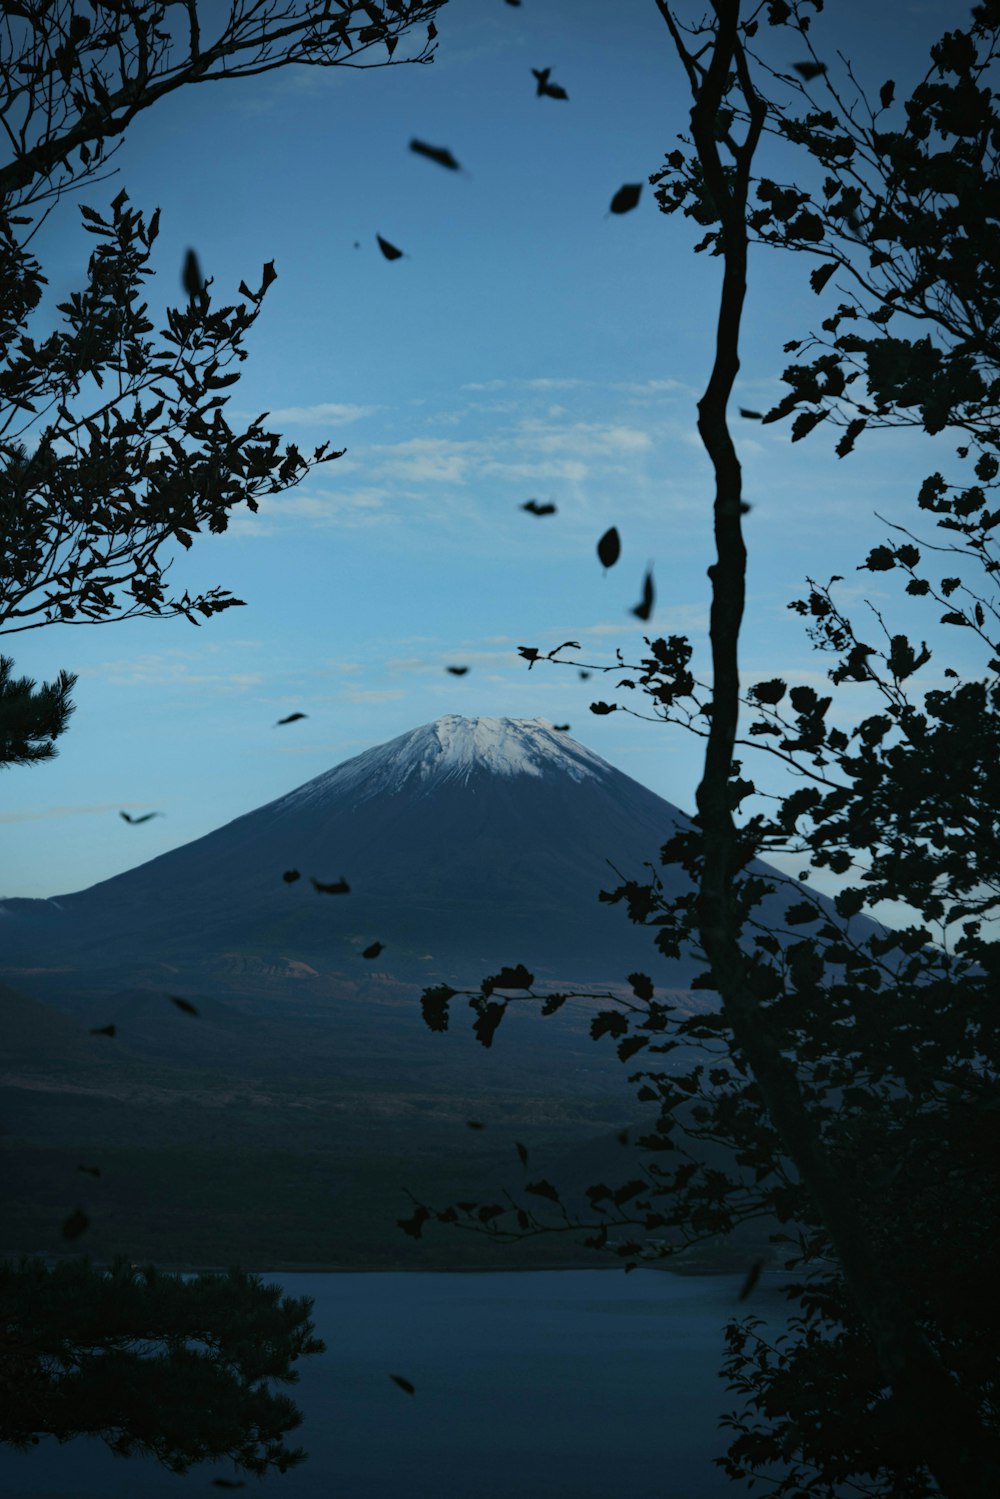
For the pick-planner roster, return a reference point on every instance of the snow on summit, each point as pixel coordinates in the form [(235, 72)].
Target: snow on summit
[(452, 748)]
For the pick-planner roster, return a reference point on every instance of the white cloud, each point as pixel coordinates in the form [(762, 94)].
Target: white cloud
[(326, 411), (39, 814)]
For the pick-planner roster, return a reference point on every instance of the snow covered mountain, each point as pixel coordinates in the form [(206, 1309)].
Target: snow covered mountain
[(467, 844)]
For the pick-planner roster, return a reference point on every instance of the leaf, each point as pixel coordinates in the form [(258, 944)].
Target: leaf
[(192, 280), (183, 1004), (809, 70), (530, 654), (534, 508), (90, 1170), (434, 1006), (389, 251), (553, 1002), (404, 1384), (104, 1030), (805, 422), (522, 1151), (75, 1225), (626, 198), (561, 728), (543, 1189), (228, 1483), (338, 887), (887, 93), (769, 692), (292, 718), (268, 275), (373, 950), (137, 821), (290, 876), (440, 154), (642, 985), (474, 1124), (457, 671), (414, 1226), (821, 275), (489, 1017), (517, 977), (602, 708), (644, 608), (609, 547), (752, 1277), (751, 416)]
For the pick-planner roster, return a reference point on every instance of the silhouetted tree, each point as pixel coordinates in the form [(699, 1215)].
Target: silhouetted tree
[(850, 1071), (130, 450), (152, 1364)]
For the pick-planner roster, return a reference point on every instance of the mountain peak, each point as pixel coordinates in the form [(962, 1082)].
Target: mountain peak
[(453, 748)]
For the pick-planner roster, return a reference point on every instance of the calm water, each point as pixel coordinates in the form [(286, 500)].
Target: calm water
[(571, 1384)]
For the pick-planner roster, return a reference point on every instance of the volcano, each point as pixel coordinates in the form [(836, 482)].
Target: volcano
[(466, 844)]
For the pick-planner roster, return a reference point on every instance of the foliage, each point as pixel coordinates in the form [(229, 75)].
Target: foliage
[(850, 1071), (31, 719), (151, 1363)]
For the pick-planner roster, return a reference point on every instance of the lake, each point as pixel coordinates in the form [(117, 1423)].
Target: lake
[(565, 1384)]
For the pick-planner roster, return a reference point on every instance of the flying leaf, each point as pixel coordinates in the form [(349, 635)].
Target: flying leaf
[(544, 88), (192, 280), (183, 1004), (228, 1483), (440, 154), (290, 876), (90, 1170), (373, 950), (338, 887), (534, 508), (104, 1030), (474, 1124), (76, 1224), (135, 821), (389, 251), (292, 718), (644, 608), (809, 70), (584, 676), (753, 1276), (457, 671), (626, 198), (751, 416), (522, 1151), (561, 728), (609, 547), (404, 1384)]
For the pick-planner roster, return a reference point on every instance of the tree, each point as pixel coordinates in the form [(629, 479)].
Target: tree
[(152, 1364), (114, 447), (847, 1046), (131, 451)]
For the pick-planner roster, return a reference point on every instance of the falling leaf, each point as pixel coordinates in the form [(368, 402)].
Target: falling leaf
[(90, 1170), (534, 508), (753, 1276), (887, 93), (622, 1137), (191, 278), (76, 1224), (644, 608), (228, 1483), (404, 1384), (562, 728), (373, 950), (440, 154), (609, 547), (389, 251), (809, 70), (104, 1030), (457, 671), (183, 1004), (292, 718), (545, 89), (339, 887), (135, 821), (290, 876), (626, 198), (474, 1124), (751, 416), (584, 676), (522, 1151)]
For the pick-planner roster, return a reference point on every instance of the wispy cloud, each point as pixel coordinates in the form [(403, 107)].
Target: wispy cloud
[(339, 412), (170, 669), (41, 814)]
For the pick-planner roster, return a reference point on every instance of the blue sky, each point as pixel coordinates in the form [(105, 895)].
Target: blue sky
[(528, 344)]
